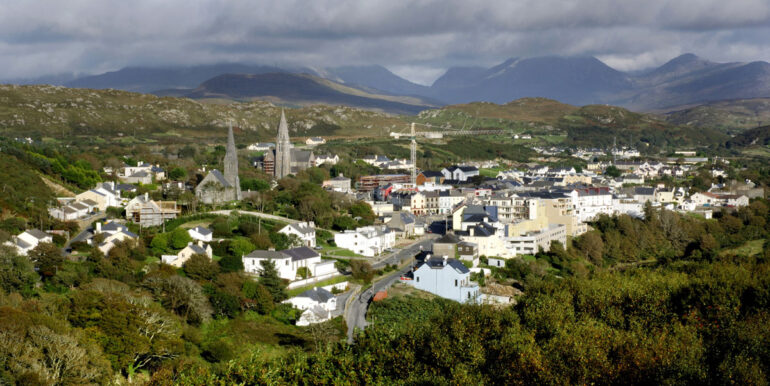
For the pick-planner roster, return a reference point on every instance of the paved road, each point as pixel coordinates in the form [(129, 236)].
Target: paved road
[(355, 315), (257, 214)]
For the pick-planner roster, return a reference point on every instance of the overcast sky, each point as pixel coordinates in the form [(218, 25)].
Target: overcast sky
[(416, 39)]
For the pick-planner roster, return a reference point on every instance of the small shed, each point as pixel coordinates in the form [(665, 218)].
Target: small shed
[(381, 295)]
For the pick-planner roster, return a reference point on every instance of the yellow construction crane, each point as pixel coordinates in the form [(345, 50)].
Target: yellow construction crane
[(436, 135)]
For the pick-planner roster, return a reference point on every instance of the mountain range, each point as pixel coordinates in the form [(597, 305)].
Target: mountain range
[(683, 82)]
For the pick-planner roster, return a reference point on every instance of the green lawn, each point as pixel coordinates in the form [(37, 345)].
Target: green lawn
[(750, 248), (491, 172), (337, 251), (323, 283)]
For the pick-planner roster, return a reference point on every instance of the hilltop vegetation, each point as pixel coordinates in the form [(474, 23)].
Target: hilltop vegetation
[(23, 193), (66, 114), (102, 117), (731, 116)]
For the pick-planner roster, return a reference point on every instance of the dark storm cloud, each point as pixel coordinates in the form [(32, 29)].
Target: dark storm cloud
[(417, 38)]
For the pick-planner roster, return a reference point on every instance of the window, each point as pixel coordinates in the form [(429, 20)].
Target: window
[(418, 279), (287, 262), (455, 282)]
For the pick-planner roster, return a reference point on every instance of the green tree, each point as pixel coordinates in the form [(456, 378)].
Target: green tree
[(47, 258), (17, 273), (179, 238), (200, 267), (177, 174), (362, 270), (612, 171), (269, 278), (159, 244)]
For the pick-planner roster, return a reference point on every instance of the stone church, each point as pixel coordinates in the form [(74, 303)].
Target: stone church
[(216, 187), (284, 159)]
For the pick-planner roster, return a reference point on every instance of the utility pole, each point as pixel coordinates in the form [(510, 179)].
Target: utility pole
[(413, 151)]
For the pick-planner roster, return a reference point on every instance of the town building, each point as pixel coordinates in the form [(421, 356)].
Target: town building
[(288, 261), (305, 231), (317, 304), (315, 141), (284, 159), (146, 212), (448, 278), (327, 159), (367, 241), (201, 233), (216, 187), (460, 173), (196, 248), (29, 240), (338, 184)]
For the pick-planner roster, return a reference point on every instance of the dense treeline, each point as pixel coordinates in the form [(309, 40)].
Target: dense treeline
[(51, 161)]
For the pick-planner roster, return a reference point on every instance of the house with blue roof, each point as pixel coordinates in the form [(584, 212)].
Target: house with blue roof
[(448, 278)]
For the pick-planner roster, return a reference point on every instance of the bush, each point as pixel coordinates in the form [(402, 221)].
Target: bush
[(286, 313)]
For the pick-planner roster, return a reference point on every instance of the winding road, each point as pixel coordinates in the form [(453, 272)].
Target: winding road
[(355, 313)]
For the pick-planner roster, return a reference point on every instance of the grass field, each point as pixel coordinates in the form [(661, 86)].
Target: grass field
[(323, 283), (750, 248)]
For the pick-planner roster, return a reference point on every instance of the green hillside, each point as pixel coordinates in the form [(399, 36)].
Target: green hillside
[(729, 116), (66, 113), (24, 194)]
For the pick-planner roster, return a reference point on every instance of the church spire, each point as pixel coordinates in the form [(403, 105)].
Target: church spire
[(231, 163), (283, 129), (282, 149)]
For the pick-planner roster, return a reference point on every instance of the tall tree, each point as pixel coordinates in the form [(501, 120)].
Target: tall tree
[(268, 277)]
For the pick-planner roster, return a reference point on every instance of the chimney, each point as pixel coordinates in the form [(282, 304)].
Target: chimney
[(98, 227), (146, 196), (200, 243), (472, 230)]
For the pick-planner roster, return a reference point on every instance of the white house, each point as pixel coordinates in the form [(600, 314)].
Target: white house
[(288, 261), (305, 231), (448, 278), (530, 242), (200, 233), (367, 241), (261, 146), (589, 202), (28, 240), (317, 303), (178, 260), (328, 159), (313, 141), (460, 173)]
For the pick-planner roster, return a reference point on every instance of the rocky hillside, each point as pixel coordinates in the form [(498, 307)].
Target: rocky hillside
[(65, 113), (730, 116)]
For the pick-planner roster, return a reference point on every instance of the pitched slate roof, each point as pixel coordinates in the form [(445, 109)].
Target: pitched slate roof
[(430, 173), (221, 178), (448, 238), (197, 249), (301, 253), (317, 294), (306, 229), (457, 265), (270, 255), (37, 233), (201, 230)]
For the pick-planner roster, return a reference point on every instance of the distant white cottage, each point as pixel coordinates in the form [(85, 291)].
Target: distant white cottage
[(367, 241), (288, 261), (305, 231), (28, 240)]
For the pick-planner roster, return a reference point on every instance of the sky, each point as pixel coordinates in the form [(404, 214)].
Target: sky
[(416, 39)]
